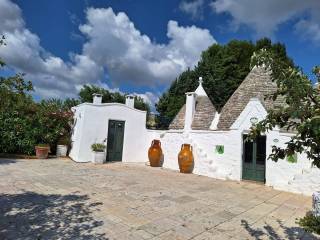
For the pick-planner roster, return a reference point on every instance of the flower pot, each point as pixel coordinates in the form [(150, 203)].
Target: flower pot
[(316, 204), (42, 152), (155, 154), (62, 150), (99, 157), (185, 159)]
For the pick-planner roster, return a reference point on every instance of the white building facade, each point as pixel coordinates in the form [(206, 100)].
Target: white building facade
[(219, 140)]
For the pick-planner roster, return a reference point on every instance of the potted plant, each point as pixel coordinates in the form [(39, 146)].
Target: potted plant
[(99, 153), (62, 146), (42, 151)]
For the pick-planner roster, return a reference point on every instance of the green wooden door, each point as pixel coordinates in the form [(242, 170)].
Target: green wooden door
[(115, 140), (254, 159)]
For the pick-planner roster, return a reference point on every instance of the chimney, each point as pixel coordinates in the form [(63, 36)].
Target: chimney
[(130, 101), (190, 109), (97, 98)]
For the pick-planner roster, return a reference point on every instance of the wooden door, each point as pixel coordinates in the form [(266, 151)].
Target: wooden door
[(115, 140), (254, 159)]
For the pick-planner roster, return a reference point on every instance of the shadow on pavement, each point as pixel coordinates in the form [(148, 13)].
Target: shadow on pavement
[(291, 233), (7, 161), (36, 216)]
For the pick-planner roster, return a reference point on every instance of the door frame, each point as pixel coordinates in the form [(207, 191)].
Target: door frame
[(123, 142), (243, 156)]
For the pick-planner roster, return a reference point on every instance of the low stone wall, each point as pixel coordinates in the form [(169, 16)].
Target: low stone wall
[(208, 161), (297, 177), (293, 176)]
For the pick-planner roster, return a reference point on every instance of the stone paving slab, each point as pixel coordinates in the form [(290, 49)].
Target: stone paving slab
[(61, 199)]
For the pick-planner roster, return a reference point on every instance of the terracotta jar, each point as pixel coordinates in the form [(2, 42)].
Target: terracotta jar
[(155, 154), (185, 159), (42, 151)]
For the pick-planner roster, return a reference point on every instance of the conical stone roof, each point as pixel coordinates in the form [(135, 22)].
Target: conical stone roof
[(257, 84), (178, 121), (203, 115)]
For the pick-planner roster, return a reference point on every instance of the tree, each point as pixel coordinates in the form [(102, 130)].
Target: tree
[(87, 91), (16, 106), (300, 112), (223, 68), (25, 123)]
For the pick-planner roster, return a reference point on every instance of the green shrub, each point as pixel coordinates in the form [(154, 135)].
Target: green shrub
[(24, 122), (42, 145), (98, 147), (64, 140), (310, 223)]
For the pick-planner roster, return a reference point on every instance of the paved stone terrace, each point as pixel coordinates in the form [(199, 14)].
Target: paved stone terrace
[(60, 199)]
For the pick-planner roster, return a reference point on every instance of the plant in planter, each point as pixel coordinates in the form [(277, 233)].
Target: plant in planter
[(42, 150), (311, 222), (62, 146), (99, 153)]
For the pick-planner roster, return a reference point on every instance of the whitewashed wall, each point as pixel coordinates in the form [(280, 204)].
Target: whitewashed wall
[(92, 127), (299, 177), (207, 161)]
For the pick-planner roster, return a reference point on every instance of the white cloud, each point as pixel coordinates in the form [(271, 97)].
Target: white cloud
[(266, 16), (113, 47), (309, 29), (52, 77), (10, 16), (149, 97), (130, 56), (193, 8)]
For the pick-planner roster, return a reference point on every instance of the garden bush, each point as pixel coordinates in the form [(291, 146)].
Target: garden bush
[(310, 223), (98, 147), (25, 123)]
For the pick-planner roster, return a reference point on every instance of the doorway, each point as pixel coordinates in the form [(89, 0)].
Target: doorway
[(115, 140), (254, 159)]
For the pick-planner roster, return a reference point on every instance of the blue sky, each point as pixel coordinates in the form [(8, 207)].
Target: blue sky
[(140, 46)]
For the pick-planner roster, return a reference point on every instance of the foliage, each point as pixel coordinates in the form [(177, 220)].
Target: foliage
[(64, 140), (43, 145), (98, 147), (87, 91), (310, 223), (16, 109), (25, 123), (300, 112), (53, 121), (223, 68)]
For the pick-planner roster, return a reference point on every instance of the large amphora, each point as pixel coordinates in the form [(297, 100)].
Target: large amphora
[(185, 159), (155, 154)]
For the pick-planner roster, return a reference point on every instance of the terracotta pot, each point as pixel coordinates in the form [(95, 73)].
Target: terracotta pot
[(155, 154), (185, 159), (42, 152)]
